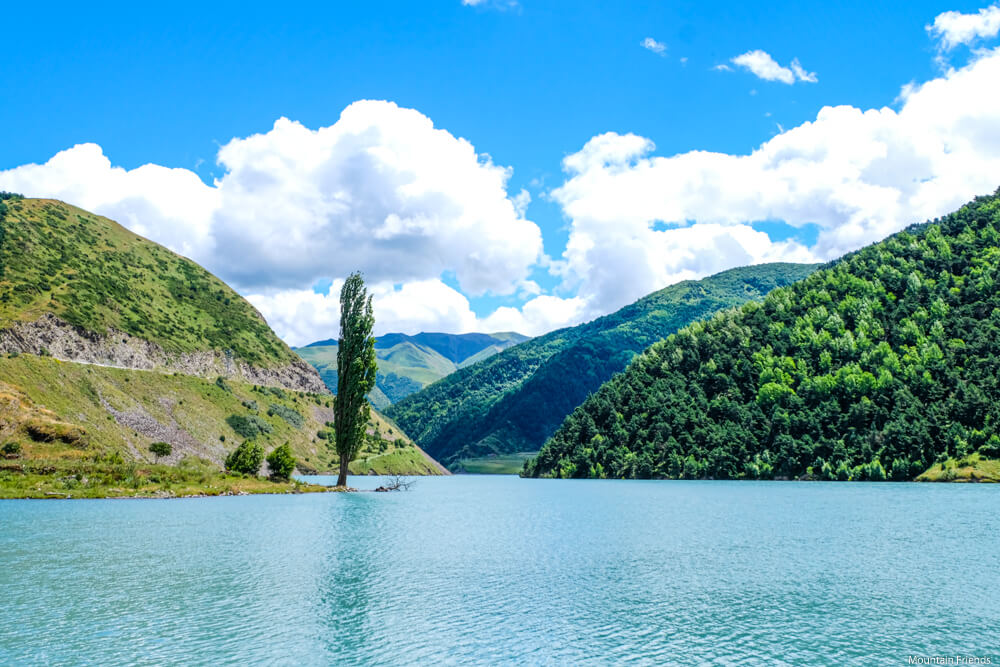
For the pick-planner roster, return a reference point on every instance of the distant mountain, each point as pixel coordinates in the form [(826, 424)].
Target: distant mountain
[(407, 363), (884, 364), (513, 401)]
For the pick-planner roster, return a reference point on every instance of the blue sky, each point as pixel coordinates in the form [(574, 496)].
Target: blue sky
[(529, 84)]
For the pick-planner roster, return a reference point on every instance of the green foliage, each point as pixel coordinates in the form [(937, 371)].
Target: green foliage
[(161, 449), (93, 273), (248, 426), (516, 399), (246, 458), (11, 450), (356, 370), (221, 383), (890, 354), (291, 416), (281, 462)]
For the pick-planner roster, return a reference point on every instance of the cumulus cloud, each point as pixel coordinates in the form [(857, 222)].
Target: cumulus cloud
[(302, 316), (382, 190), (954, 28), (638, 222), (763, 66), (651, 44), (172, 206)]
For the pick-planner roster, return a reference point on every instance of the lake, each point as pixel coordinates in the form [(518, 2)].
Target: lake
[(496, 569)]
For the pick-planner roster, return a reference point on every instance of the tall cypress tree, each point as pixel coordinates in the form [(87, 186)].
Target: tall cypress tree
[(355, 371)]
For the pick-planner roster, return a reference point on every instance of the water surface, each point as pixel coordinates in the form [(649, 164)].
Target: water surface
[(484, 569)]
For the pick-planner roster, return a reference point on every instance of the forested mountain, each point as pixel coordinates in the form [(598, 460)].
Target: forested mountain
[(407, 363), (883, 364), (513, 401)]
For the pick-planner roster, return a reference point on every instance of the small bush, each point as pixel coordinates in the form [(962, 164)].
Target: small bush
[(221, 383), (278, 391), (161, 449), (249, 427), (288, 414), (991, 448), (11, 450), (246, 459), (281, 462)]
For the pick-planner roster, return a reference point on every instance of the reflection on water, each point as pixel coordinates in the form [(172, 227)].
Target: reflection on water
[(499, 570)]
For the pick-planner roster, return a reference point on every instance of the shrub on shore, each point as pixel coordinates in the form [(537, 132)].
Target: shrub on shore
[(246, 459)]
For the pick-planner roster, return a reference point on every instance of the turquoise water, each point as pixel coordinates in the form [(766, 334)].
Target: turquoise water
[(479, 569)]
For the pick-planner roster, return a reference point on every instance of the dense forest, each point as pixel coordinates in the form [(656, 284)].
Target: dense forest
[(878, 366), (516, 399)]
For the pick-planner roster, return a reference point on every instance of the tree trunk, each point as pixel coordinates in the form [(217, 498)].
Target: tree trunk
[(342, 478)]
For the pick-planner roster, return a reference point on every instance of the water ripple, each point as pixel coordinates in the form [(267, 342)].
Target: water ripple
[(481, 570)]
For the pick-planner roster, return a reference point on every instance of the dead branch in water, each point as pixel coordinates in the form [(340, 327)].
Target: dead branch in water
[(396, 483)]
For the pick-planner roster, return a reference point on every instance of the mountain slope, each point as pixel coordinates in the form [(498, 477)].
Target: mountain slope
[(84, 288), (885, 363), (122, 411), (121, 343), (513, 401), (406, 363)]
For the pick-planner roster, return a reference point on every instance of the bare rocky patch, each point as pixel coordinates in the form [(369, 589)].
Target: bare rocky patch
[(50, 335)]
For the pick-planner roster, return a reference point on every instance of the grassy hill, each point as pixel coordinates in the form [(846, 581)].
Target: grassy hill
[(406, 363), (72, 422), (516, 399), (885, 364), (96, 275), (157, 334)]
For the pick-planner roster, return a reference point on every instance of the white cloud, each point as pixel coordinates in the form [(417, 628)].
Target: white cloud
[(801, 74), (763, 66), (954, 28), (638, 222), (381, 191), (172, 206), (384, 191), (496, 4), (651, 44), (303, 316)]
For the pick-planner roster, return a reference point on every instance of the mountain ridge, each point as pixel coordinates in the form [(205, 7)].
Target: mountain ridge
[(408, 362), (880, 365), (513, 401)]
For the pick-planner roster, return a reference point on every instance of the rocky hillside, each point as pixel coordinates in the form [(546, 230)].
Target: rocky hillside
[(110, 343), (80, 287)]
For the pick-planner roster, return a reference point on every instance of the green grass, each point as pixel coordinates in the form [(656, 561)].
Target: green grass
[(504, 464), (406, 461), (100, 479), (95, 274), (68, 418), (971, 468)]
